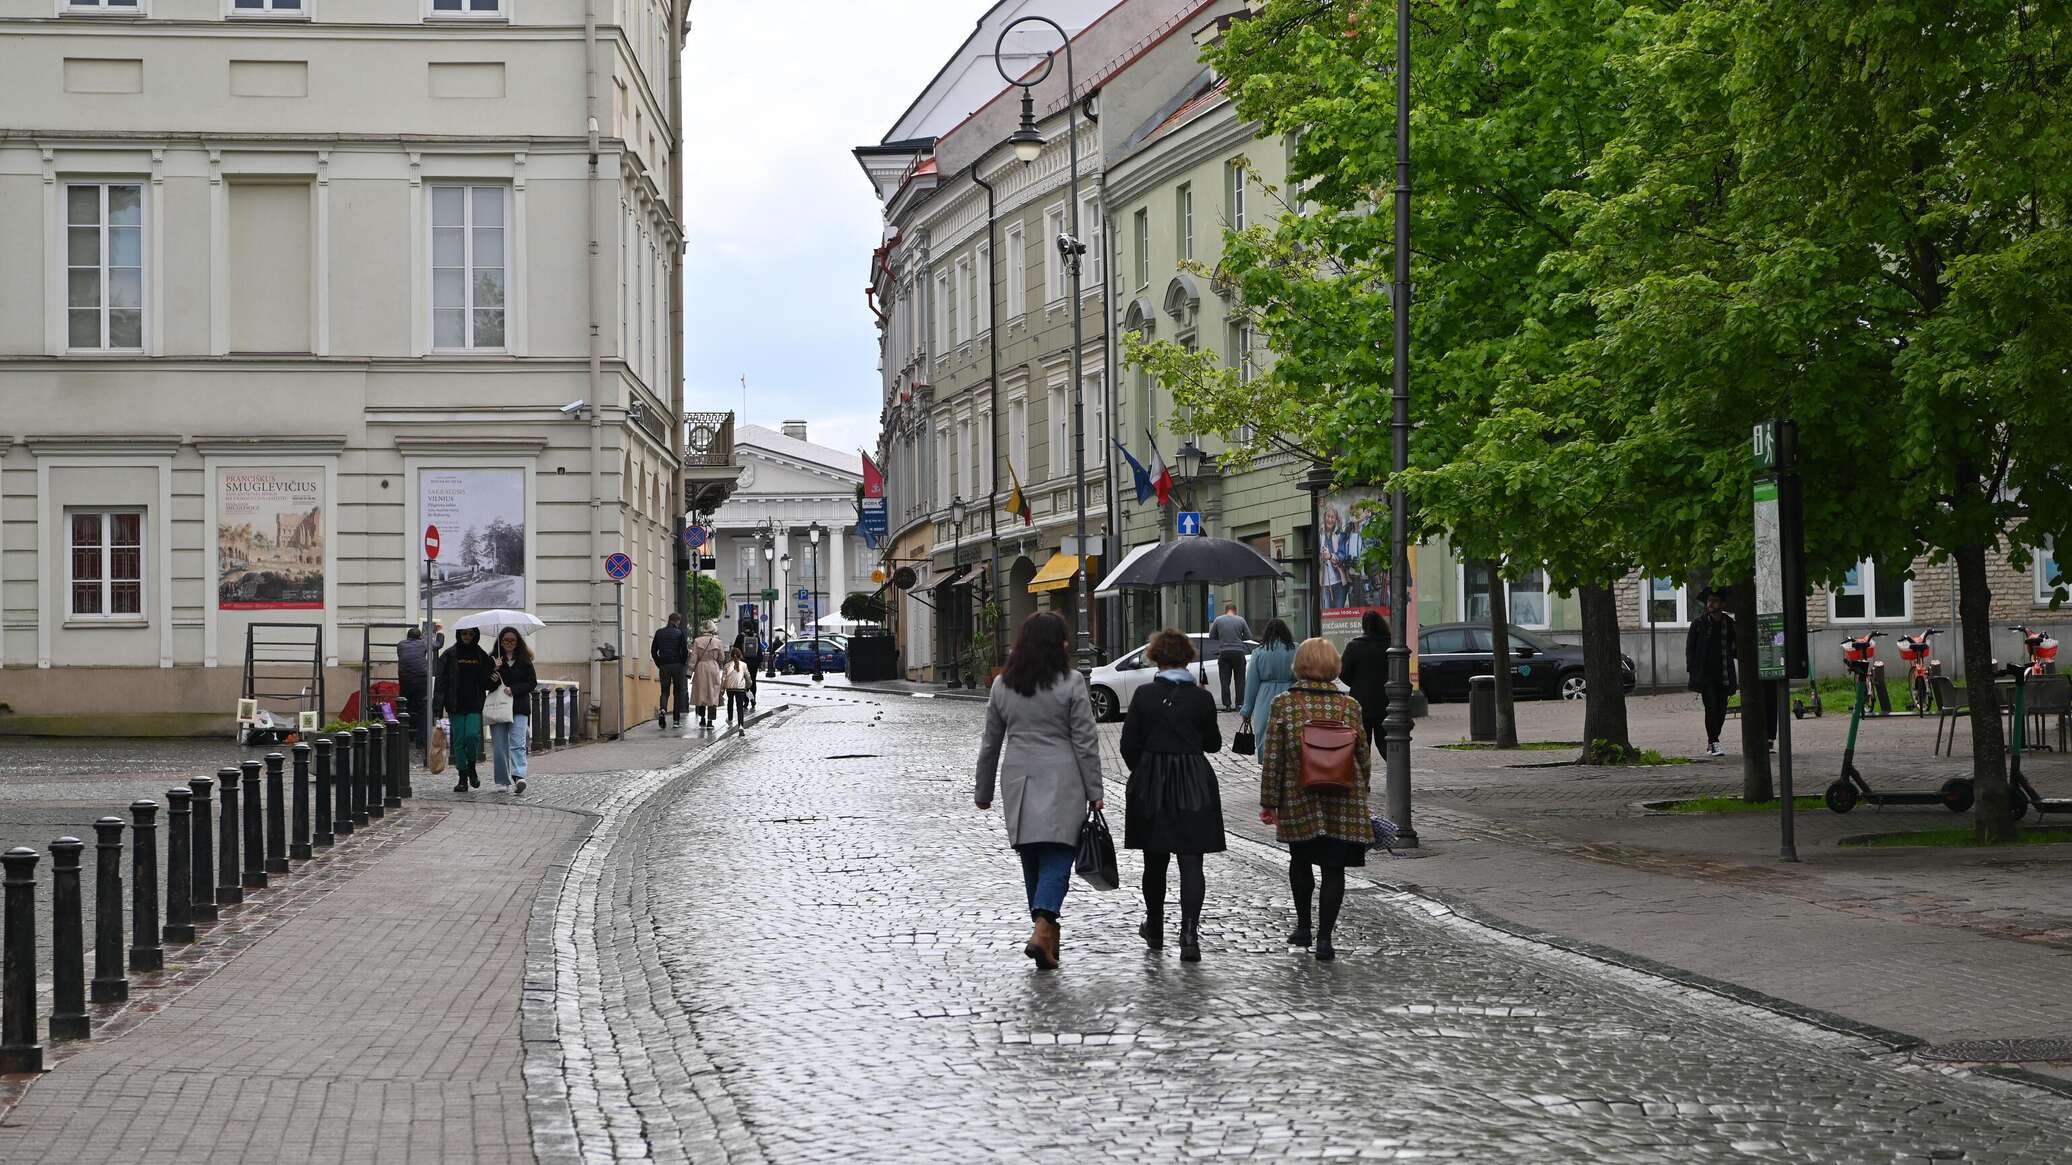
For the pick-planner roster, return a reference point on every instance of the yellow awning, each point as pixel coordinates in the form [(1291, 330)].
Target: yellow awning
[(1056, 574)]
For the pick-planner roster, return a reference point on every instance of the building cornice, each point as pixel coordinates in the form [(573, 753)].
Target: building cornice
[(247, 28), (411, 443), (213, 445), (57, 444), (1161, 160)]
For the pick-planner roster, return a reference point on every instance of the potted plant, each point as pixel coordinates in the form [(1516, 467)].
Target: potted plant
[(985, 649)]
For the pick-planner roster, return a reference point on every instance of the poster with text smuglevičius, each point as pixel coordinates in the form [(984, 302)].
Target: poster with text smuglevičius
[(270, 539), (480, 514)]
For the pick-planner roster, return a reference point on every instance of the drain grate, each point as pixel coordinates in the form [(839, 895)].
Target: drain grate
[(1996, 1051)]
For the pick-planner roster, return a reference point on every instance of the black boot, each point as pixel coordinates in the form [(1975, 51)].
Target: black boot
[(1190, 938), (474, 781), (1152, 929), (1325, 951), (1300, 937)]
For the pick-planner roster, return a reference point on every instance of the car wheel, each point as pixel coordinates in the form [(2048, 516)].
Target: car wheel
[(1572, 685), (1105, 706)]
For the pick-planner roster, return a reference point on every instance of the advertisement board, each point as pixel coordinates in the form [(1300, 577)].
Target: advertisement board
[(1353, 564), (269, 539), (481, 518)]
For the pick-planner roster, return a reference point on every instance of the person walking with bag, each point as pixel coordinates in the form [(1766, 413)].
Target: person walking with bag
[(1271, 672), (1040, 753), (509, 710), (1227, 636), (708, 660), (736, 680), (1314, 771), (466, 677), (750, 644), (671, 652), (1175, 808), (1709, 660)]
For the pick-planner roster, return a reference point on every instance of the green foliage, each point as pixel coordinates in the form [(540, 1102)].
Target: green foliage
[(708, 599), (1957, 837), (1606, 752), (1736, 805), (864, 607), (337, 726)]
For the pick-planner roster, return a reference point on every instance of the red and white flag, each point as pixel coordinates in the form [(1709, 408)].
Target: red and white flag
[(873, 478), (1161, 477)]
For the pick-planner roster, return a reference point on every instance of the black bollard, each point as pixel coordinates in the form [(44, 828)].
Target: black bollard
[(111, 980), (377, 770), (404, 733), (19, 1051), (298, 843), (144, 954), (361, 812), (254, 828), (179, 866), (202, 852), (228, 827), (67, 943), (398, 763), (276, 814), (321, 837), (342, 821)]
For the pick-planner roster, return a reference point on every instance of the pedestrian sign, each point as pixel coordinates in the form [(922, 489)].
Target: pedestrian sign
[(1189, 523), (770, 595), (617, 567)]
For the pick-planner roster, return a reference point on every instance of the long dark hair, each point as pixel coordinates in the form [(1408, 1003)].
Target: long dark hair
[(1276, 632), (522, 655), (1039, 658)]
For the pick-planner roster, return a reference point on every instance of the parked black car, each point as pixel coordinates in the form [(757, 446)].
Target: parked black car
[(1448, 653)]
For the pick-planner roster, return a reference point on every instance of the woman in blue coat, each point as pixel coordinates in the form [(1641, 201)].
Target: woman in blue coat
[(1270, 672)]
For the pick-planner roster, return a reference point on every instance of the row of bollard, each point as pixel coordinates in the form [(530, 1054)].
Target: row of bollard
[(356, 778), (555, 716)]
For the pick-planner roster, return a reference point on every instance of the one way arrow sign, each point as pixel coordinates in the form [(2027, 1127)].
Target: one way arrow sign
[(1189, 523)]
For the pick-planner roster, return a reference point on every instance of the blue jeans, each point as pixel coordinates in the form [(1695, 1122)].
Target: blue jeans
[(1046, 872), (509, 744)]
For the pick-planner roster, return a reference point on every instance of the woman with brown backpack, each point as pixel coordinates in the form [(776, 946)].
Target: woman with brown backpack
[(1313, 782)]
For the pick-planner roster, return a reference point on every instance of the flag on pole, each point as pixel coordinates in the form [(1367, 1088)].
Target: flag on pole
[(1018, 502), (873, 478), (1161, 477), (1140, 477)]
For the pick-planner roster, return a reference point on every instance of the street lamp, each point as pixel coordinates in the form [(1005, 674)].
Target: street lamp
[(1191, 459), (784, 564), (813, 533), (1396, 725), (1027, 142), (956, 561), (770, 583)]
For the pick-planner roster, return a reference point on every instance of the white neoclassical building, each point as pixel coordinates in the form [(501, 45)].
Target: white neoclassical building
[(788, 484), (283, 282)]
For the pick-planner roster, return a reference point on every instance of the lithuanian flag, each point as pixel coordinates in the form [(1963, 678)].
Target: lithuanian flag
[(1018, 502)]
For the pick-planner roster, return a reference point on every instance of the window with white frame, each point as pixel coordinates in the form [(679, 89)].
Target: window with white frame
[(1141, 263), (942, 311), (1018, 438), (268, 7), (953, 310), (1017, 272), (984, 462), (968, 326), (1054, 281), (1234, 194), (942, 466), (1664, 602), (983, 291), (105, 564), (2048, 573), (468, 266), (1060, 431), (1096, 385), (474, 8), (1241, 352), (1525, 598), (1183, 220), (104, 266), (1872, 592), (112, 7), (1095, 238)]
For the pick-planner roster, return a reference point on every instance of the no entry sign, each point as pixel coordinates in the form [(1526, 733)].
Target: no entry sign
[(431, 543)]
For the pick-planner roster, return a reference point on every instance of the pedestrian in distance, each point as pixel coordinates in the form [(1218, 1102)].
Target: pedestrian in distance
[(1313, 795), (1175, 809), (750, 644), (708, 660), (671, 652), (1709, 660), (413, 675), (1227, 643), (1270, 672), (466, 677), (1041, 755), (510, 743), (736, 680), (1365, 670)]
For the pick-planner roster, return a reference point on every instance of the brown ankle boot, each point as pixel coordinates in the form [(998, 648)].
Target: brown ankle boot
[(1043, 944)]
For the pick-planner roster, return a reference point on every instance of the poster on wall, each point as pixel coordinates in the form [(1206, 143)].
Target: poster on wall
[(1353, 562), (480, 514), (270, 539)]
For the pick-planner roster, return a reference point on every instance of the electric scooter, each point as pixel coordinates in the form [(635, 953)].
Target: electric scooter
[(1915, 650), (1859, 652), (2022, 796)]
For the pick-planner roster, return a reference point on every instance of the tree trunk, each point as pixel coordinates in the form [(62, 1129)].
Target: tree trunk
[(1994, 820), (1500, 659), (1604, 696), (1755, 698)]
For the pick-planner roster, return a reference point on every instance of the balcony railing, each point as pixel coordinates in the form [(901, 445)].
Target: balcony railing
[(708, 440)]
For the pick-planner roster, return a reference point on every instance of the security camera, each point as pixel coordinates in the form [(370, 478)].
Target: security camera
[(1067, 245), (638, 412), (573, 408)]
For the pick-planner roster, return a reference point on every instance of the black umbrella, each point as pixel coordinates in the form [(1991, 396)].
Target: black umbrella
[(1192, 561)]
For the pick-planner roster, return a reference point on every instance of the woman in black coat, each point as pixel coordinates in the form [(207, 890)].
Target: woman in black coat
[(1174, 806), (466, 677)]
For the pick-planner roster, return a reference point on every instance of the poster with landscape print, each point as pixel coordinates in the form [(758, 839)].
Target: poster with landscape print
[(480, 514), (270, 539)]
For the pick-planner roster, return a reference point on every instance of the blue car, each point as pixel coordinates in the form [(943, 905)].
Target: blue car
[(797, 656)]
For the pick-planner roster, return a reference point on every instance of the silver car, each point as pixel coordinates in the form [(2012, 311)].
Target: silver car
[(1112, 684)]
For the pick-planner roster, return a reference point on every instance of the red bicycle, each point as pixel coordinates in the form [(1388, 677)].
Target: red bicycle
[(1915, 649), (2042, 648)]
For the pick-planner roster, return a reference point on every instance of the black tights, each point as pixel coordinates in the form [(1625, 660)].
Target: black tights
[(1193, 886), (1303, 883)]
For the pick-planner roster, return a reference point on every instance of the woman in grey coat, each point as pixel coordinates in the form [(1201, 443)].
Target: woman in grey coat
[(1041, 749)]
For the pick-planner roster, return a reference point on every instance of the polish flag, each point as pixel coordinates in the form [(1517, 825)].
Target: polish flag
[(1161, 477)]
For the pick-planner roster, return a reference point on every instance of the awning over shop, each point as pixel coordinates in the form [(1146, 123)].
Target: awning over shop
[(1109, 579), (1055, 575), (955, 576)]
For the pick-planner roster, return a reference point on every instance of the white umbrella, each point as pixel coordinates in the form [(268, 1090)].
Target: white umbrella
[(836, 623), (492, 622)]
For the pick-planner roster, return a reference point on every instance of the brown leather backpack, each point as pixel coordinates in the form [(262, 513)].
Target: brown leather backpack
[(1329, 762)]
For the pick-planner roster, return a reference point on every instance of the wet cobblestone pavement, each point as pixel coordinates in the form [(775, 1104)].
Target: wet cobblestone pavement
[(807, 947)]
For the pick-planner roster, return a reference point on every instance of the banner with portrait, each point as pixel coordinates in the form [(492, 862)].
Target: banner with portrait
[(1353, 575), (269, 539), (480, 514)]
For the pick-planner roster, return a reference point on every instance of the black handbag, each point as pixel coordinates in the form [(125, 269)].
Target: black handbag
[(1243, 744), (1095, 861)]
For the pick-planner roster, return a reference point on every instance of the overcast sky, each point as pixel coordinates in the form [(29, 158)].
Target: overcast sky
[(781, 220)]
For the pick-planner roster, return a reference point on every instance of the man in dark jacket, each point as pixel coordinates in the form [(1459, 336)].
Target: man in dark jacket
[(750, 644), (671, 651), (1365, 669), (466, 677), (413, 668), (1709, 660)]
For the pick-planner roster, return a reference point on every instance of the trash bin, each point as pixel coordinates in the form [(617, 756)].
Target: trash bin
[(1482, 708)]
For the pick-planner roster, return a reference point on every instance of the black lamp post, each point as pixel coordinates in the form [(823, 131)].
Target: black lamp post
[(956, 563), (1027, 142), (813, 534), (784, 590), (770, 584), (1396, 725)]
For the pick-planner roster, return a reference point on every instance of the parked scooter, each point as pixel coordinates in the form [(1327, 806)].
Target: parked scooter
[(2021, 795), (1915, 649), (1859, 653)]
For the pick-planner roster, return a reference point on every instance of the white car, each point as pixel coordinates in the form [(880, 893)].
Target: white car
[(1112, 684)]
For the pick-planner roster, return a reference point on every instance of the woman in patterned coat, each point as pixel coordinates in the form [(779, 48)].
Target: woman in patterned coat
[(1327, 829)]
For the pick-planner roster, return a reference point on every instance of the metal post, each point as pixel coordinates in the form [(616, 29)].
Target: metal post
[(68, 943), (254, 807), (377, 768), (19, 1051), (228, 890), (361, 815), (202, 850), (145, 954), (1396, 725), (298, 840), (320, 836), (390, 734), (276, 815), (342, 781), (111, 980), (399, 756), (619, 651), (1788, 844), (179, 866)]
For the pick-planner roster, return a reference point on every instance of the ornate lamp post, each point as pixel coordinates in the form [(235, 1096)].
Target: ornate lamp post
[(784, 591), (1028, 146), (1396, 724), (770, 583), (813, 535), (956, 562)]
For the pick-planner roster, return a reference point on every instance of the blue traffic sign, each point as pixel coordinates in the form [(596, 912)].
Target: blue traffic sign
[(804, 595), (617, 566), (695, 536), (1189, 522)]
